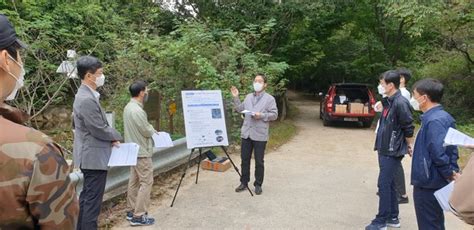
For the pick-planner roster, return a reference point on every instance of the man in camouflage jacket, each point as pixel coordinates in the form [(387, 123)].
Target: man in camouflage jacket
[(35, 189)]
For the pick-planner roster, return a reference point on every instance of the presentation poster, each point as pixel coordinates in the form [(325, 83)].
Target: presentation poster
[(204, 118)]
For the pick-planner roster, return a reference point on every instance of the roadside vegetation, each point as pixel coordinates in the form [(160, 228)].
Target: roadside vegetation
[(465, 154)]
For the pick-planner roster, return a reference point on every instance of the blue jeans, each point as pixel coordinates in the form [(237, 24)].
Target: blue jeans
[(388, 202), (429, 214)]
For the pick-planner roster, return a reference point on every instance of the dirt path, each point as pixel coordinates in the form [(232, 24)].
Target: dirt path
[(325, 178)]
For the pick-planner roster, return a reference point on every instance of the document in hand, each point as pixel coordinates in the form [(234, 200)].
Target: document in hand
[(248, 112), (443, 195), (125, 155), (454, 137), (162, 140)]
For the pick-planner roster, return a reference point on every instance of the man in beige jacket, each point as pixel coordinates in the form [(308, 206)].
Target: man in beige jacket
[(138, 130), (462, 197)]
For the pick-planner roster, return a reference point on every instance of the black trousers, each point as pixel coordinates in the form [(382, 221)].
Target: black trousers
[(90, 200), (258, 147), (400, 181)]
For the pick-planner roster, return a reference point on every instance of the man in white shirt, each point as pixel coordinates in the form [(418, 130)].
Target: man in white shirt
[(405, 76)]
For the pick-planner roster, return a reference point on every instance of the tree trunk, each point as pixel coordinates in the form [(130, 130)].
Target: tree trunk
[(284, 106)]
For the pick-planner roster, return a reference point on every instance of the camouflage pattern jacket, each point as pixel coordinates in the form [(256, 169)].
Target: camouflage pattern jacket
[(35, 189)]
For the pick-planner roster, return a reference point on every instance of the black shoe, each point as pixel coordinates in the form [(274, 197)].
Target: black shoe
[(241, 188), (142, 220), (393, 223), (375, 226), (258, 190), (402, 200)]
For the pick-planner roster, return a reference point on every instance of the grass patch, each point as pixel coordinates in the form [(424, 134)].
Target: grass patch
[(293, 111), (280, 133), (464, 153)]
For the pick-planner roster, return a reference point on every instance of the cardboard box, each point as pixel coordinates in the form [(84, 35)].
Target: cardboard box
[(341, 108), (218, 164), (356, 108), (366, 109)]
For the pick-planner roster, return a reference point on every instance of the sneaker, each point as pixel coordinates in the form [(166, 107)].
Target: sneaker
[(393, 223), (129, 215), (375, 226), (241, 188), (402, 200), (258, 190), (142, 220)]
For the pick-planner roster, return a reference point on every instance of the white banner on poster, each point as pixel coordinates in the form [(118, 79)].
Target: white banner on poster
[(204, 118)]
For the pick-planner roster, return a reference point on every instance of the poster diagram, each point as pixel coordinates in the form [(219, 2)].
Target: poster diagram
[(204, 118)]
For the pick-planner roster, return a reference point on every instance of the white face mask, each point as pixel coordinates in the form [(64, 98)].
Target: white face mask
[(381, 90), (100, 80), (257, 86), (19, 81), (145, 98), (415, 104)]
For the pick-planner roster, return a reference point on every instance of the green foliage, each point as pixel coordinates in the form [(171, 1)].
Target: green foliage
[(327, 42), (198, 57)]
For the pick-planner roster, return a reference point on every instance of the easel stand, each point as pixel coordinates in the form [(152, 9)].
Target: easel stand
[(198, 166)]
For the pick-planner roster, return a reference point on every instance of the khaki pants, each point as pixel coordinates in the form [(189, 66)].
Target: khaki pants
[(139, 186)]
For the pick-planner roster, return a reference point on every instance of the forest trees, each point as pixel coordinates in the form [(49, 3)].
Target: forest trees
[(302, 44)]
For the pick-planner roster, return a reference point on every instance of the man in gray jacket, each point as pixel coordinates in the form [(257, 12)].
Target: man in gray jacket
[(93, 141), (260, 108)]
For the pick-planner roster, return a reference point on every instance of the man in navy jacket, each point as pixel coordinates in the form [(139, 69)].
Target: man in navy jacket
[(434, 165), (394, 140)]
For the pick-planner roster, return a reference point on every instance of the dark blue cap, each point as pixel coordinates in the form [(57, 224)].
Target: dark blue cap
[(8, 35)]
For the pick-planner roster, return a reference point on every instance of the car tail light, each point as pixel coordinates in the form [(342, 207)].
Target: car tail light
[(329, 103), (372, 101)]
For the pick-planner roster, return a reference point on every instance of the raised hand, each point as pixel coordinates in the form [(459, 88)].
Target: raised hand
[(234, 91)]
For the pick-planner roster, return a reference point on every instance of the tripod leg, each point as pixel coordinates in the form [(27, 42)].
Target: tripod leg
[(182, 177), (235, 167), (199, 164)]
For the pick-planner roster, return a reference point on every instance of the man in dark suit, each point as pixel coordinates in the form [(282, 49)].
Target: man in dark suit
[(93, 140)]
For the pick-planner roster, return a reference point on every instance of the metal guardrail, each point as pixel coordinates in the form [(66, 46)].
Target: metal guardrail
[(164, 160)]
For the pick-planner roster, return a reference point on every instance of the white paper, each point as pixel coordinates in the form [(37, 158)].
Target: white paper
[(443, 195), (126, 155), (454, 137), (204, 118), (248, 112), (342, 99), (162, 140)]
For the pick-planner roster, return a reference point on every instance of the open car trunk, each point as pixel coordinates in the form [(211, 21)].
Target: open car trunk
[(351, 94)]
